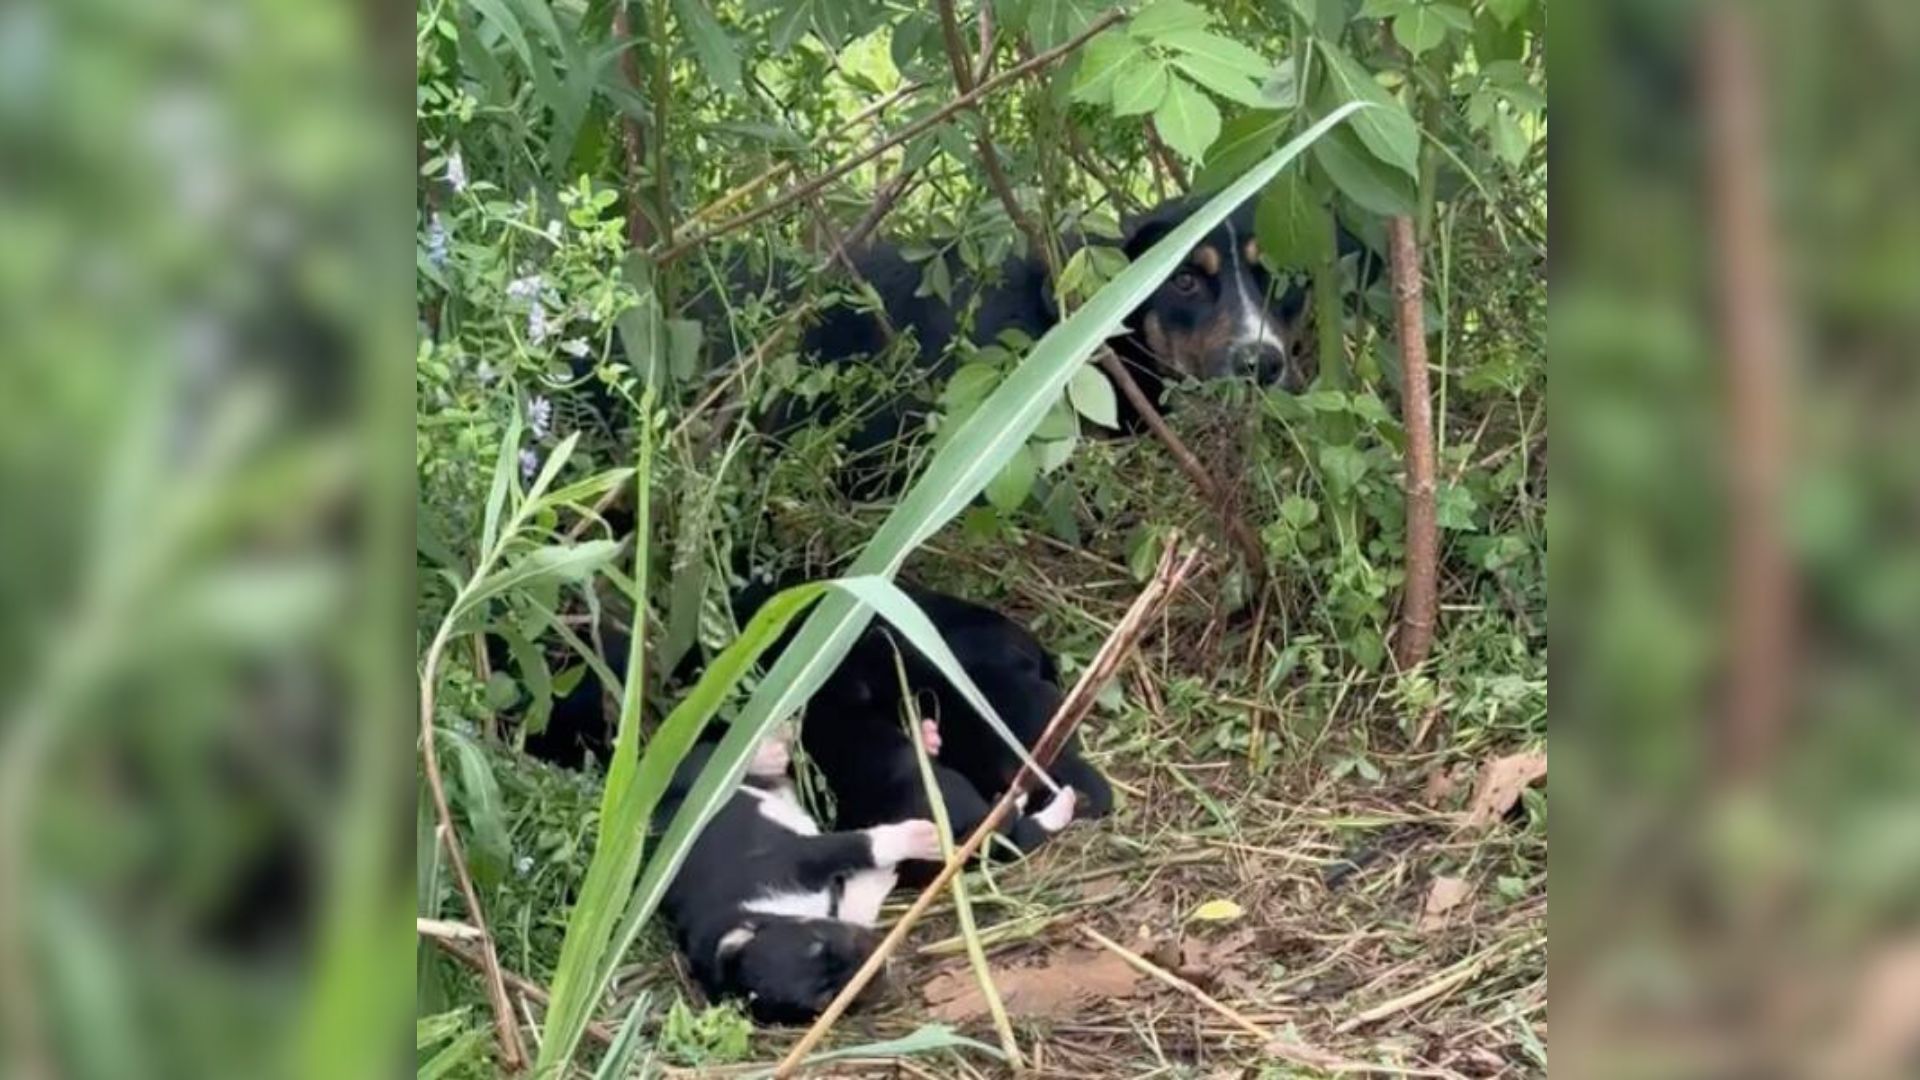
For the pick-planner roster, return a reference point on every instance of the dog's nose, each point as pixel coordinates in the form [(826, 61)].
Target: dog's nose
[(1263, 360)]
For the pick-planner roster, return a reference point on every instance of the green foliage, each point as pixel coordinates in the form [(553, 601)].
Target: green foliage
[(715, 1035), (542, 331)]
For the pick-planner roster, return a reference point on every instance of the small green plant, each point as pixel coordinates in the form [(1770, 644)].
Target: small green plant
[(715, 1035)]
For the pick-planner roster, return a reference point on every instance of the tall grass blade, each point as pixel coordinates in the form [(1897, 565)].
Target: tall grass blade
[(957, 472), (634, 787), (894, 605)]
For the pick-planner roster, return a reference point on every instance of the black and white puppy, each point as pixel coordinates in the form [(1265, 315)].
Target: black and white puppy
[(770, 909), (853, 731)]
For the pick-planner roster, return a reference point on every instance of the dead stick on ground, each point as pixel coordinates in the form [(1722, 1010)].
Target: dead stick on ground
[(1079, 701), (506, 1027), (1236, 529), (1419, 606), (450, 944), (939, 116)]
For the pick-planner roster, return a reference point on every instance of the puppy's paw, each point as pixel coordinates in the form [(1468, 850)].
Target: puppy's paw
[(772, 757), (930, 735), (903, 840), (1059, 812)]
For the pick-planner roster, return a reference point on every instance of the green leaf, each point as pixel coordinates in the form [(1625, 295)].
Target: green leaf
[(479, 799), (1221, 80), (1455, 18), (1015, 482), (1387, 131), (716, 50), (1243, 140), (1509, 142), (1292, 224), (1419, 30), (555, 562), (969, 385), (1092, 397), (683, 348), (499, 15), (531, 663), (1107, 58), (923, 1039), (1141, 89), (1054, 22), (1454, 507), (794, 17), (1362, 177), (1187, 120), (959, 470), (1299, 511), (1343, 467), (1225, 53), (1050, 454), (1509, 12), (1163, 17), (505, 467)]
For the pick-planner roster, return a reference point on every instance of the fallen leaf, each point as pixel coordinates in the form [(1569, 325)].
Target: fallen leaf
[(1443, 896), (1055, 989), (1216, 911), (1500, 784)]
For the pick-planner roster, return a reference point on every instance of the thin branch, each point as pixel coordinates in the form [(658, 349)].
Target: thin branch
[(775, 171), (983, 139), (884, 199), (1078, 703), (506, 1028), (1291, 1049), (1165, 157), (1203, 481), (1753, 335), (633, 140), (1420, 604), (451, 944), (937, 117)]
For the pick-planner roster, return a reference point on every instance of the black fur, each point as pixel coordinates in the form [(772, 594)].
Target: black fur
[(853, 728), (788, 968)]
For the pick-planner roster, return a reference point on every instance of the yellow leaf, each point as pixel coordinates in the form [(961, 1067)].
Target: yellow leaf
[(1216, 911)]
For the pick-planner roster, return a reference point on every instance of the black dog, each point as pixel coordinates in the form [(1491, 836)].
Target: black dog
[(768, 908), (1222, 314), (852, 728)]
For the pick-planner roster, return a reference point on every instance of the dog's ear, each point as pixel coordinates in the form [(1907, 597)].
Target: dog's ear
[(1292, 302), (1144, 234)]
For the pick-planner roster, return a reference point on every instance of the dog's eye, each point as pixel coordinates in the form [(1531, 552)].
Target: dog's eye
[(1186, 282)]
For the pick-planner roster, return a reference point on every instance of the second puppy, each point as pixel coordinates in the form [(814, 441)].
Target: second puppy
[(770, 909)]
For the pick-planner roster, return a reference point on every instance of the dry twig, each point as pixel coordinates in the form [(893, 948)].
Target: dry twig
[(939, 116), (1077, 704)]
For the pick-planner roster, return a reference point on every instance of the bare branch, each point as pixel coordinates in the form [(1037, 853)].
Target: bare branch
[(1203, 481), (1419, 606), (939, 116)]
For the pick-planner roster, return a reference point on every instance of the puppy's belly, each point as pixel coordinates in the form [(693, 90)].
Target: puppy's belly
[(866, 890), (797, 905)]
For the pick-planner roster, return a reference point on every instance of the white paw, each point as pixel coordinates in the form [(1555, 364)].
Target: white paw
[(1059, 812), (771, 757), (903, 840), (930, 734)]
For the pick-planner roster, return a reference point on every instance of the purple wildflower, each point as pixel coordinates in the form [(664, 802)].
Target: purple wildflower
[(437, 242), (536, 324), (540, 417), (529, 464), (456, 171)]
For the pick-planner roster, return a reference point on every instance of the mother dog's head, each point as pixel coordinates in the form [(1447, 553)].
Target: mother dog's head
[(1221, 314)]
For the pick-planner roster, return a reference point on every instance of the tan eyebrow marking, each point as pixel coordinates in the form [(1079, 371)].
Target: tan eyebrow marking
[(1208, 258), (1252, 251)]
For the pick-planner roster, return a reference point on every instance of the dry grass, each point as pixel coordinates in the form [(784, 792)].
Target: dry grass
[(1331, 876)]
